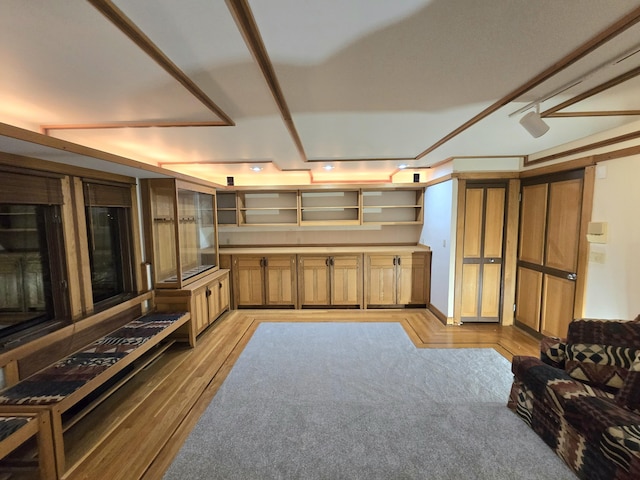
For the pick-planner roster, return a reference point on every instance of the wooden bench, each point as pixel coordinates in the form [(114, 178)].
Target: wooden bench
[(55, 389), (17, 429)]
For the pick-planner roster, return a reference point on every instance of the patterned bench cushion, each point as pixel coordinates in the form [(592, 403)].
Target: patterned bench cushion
[(10, 425), (56, 382)]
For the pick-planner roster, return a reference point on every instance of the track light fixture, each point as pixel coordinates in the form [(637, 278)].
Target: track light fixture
[(533, 123)]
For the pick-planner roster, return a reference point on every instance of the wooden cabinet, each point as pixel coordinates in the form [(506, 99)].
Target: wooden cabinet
[(180, 231), (205, 299), (330, 280), (264, 280), (398, 280)]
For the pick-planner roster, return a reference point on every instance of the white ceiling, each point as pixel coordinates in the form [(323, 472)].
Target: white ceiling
[(368, 84)]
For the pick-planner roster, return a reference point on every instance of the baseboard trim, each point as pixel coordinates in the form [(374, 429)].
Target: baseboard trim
[(438, 314)]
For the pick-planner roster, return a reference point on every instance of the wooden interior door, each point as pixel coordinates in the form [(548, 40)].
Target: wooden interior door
[(550, 219), (483, 247)]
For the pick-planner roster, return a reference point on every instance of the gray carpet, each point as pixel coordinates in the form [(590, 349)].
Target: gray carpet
[(360, 401)]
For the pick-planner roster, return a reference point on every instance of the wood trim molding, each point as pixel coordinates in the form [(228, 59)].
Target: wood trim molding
[(588, 188), (460, 214), (592, 91), (485, 175), (45, 129), (437, 313), (595, 42), (45, 166), (603, 113), (131, 30), (511, 252), (242, 14), (558, 167), (444, 178), (585, 148), (623, 152)]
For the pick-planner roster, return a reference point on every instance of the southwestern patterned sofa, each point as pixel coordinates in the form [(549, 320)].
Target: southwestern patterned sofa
[(582, 397)]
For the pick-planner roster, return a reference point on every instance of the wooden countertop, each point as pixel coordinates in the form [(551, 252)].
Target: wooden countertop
[(301, 249)]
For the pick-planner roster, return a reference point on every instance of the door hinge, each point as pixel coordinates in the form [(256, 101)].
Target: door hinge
[(514, 307)]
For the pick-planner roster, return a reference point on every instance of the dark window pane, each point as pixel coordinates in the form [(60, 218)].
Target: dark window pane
[(109, 252), (31, 286)]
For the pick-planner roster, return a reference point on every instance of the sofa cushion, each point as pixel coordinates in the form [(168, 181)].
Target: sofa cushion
[(550, 385), (616, 333), (629, 394), (592, 416), (621, 445), (603, 366), (553, 351)]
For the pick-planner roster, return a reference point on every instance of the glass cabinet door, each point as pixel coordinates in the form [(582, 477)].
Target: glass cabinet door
[(164, 224), (197, 232)]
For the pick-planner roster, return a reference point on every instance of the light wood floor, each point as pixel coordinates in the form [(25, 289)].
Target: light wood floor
[(136, 433)]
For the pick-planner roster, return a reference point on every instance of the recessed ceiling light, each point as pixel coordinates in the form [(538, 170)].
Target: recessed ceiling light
[(328, 167), (402, 166), (256, 168)]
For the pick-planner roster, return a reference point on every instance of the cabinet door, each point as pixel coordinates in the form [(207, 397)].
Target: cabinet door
[(346, 280), (280, 279), (381, 271), (314, 280), (200, 310), (248, 286), (413, 279), (224, 293), (214, 307)]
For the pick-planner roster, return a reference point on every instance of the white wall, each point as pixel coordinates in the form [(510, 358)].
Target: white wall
[(613, 287), (438, 231)]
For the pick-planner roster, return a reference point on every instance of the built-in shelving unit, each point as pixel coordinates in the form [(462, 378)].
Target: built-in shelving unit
[(268, 208), (335, 207), (227, 208), (392, 207), (321, 207)]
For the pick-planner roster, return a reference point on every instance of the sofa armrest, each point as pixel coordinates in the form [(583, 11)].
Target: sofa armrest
[(553, 351)]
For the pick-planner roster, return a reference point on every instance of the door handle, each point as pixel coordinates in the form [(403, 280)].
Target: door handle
[(572, 277)]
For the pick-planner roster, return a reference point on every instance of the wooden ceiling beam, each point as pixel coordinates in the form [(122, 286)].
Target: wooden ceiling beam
[(634, 72), (242, 14), (131, 30), (586, 48)]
